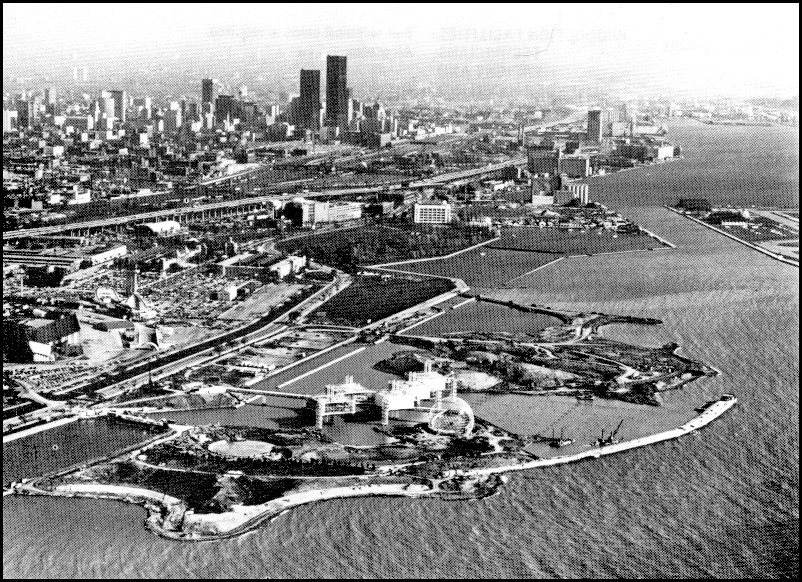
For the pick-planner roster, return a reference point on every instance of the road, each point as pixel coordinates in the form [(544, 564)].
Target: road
[(250, 201)]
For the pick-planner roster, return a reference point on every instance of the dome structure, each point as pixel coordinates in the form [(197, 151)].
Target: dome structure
[(454, 417)]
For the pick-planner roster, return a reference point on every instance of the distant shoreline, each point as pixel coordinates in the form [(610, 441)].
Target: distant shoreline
[(760, 249)]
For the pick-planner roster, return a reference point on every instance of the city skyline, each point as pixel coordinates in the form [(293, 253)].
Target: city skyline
[(510, 49)]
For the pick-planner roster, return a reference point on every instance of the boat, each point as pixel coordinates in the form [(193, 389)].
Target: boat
[(610, 439), (705, 406), (557, 443)]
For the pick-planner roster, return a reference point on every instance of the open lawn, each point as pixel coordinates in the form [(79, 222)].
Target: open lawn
[(382, 244), (553, 240), (483, 267), (369, 299)]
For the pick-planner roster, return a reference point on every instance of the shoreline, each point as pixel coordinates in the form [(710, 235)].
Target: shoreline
[(760, 249), (172, 520)]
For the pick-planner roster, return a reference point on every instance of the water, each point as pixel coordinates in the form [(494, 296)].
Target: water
[(485, 317), (723, 503)]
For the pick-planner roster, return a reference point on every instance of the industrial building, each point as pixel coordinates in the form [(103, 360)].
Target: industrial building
[(288, 266), (645, 152), (38, 339), (571, 192), (543, 161), (575, 166), (69, 259)]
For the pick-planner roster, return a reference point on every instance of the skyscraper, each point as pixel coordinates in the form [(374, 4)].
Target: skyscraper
[(594, 125), (309, 113), (224, 108), (120, 104), (336, 91), (207, 95)]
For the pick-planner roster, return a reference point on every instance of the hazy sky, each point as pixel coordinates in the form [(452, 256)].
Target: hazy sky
[(727, 49)]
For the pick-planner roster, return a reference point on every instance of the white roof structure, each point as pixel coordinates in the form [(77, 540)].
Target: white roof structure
[(165, 226)]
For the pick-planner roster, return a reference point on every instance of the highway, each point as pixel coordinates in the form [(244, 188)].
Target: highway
[(253, 201), (462, 174), (183, 211)]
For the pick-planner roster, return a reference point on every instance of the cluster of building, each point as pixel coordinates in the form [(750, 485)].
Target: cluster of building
[(424, 397)]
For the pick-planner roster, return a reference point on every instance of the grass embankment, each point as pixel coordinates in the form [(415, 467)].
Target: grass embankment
[(369, 299), (562, 242), (483, 267), (384, 244)]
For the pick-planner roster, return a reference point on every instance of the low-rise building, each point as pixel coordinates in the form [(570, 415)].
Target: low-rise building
[(432, 213)]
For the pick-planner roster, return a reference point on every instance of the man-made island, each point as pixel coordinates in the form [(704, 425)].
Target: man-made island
[(331, 325)]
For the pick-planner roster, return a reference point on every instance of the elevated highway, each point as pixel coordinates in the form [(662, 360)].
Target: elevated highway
[(473, 172), (181, 214), (246, 204)]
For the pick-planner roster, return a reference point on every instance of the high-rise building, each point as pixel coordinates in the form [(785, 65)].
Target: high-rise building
[(309, 113), (25, 113), (594, 125), (108, 108), (118, 106), (207, 95), (543, 160), (336, 91), (10, 118), (224, 108)]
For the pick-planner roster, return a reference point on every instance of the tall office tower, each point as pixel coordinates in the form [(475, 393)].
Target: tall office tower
[(25, 113), (10, 118), (108, 107), (207, 95), (120, 104), (224, 108), (309, 113), (50, 95), (336, 91), (594, 125)]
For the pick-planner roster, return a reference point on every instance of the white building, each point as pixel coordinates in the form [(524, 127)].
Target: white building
[(542, 199), (432, 213), (288, 266), (164, 227), (579, 191)]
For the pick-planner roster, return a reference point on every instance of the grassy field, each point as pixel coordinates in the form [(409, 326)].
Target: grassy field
[(383, 244), (485, 317), (369, 299), (552, 240), (483, 267)]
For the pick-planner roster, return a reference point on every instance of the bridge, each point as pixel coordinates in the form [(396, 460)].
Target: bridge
[(576, 117), (276, 393)]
